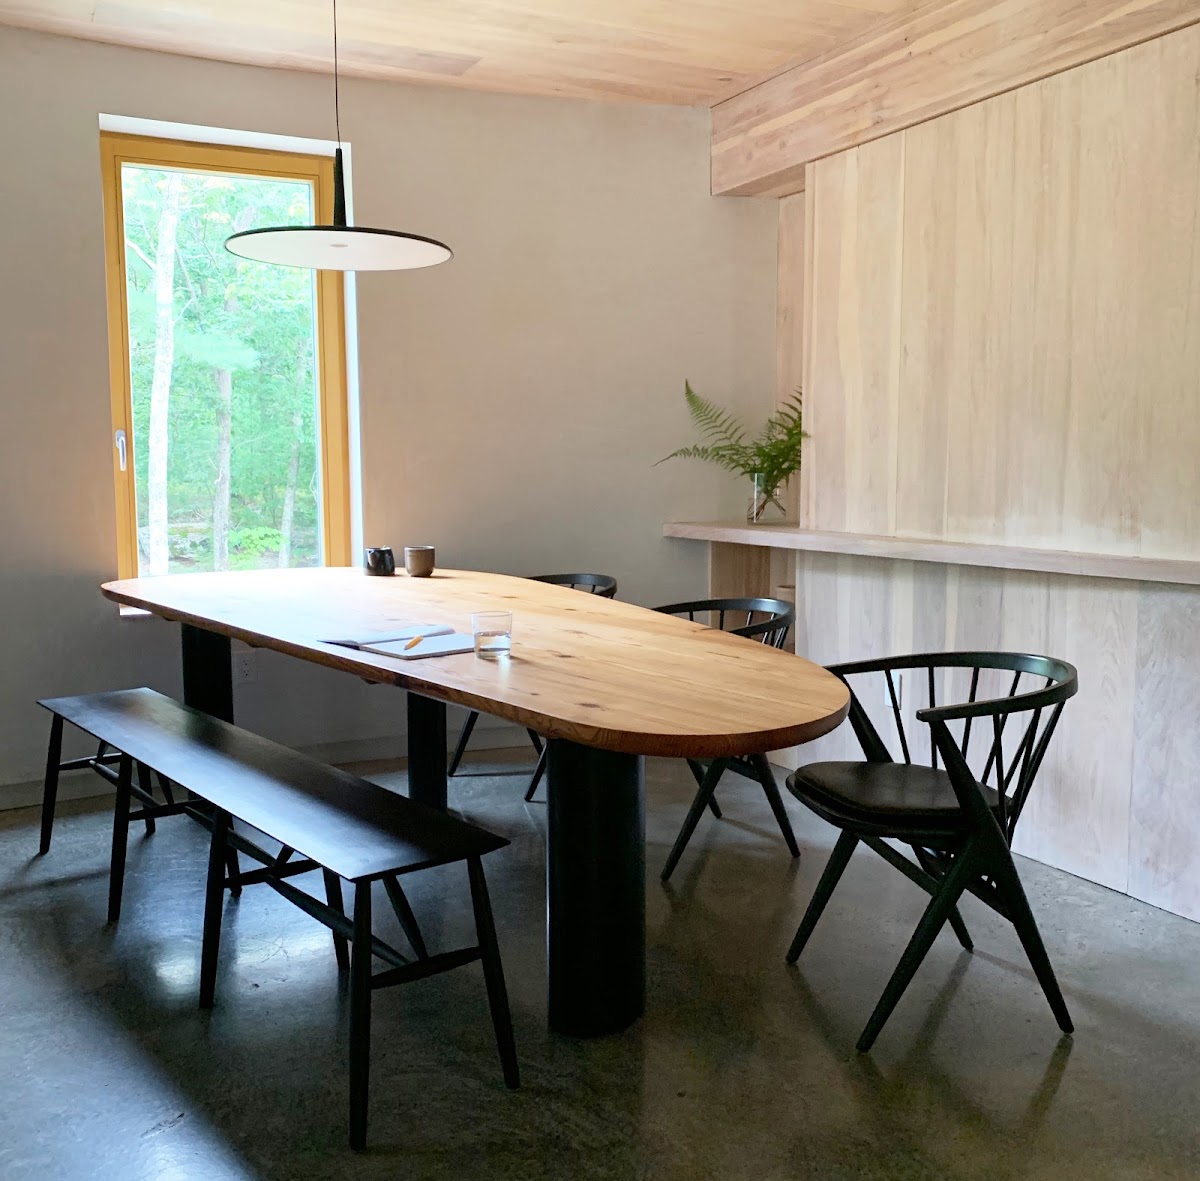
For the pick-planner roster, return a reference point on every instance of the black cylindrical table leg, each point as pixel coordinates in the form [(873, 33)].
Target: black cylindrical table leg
[(596, 890), (427, 751), (207, 675)]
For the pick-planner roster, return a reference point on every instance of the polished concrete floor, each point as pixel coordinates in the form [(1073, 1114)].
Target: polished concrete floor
[(742, 1068)]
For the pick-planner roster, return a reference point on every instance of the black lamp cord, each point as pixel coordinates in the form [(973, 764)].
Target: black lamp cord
[(337, 119), (339, 184)]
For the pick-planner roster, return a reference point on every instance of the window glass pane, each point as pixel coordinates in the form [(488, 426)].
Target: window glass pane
[(223, 377)]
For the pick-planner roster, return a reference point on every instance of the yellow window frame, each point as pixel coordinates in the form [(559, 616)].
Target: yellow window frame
[(118, 149)]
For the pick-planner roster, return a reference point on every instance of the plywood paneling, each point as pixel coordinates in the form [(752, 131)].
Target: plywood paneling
[(1030, 335), (915, 67), (1164, 816), (852, 364), (685, 51)]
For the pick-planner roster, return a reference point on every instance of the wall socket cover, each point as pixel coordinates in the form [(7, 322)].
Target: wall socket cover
[(243, 667)]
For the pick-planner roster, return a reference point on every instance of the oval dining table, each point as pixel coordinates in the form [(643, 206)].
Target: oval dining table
[(606, 682)]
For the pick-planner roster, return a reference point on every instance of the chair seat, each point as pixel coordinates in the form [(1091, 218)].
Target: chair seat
[(883, 796)]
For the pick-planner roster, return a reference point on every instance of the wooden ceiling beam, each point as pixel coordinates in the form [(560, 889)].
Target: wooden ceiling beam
[(917, 66)]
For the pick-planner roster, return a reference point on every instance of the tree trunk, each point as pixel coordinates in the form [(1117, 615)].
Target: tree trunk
[(221, 489), (289, 497), (164, 362)]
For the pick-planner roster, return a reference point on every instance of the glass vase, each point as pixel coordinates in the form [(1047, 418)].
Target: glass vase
[(765, 506)]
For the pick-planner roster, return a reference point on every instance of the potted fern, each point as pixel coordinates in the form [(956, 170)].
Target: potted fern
[(769, 459)]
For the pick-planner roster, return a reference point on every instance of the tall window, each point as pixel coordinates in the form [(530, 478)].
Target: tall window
[(228, 376)]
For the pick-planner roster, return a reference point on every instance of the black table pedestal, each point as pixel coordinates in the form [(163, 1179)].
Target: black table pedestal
[(427, 751), (596, 890), (207, 674)]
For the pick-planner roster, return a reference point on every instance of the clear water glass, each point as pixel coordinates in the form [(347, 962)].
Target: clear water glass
[(493, 634)]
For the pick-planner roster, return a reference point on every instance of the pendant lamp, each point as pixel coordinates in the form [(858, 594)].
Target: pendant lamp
[(338, 247)]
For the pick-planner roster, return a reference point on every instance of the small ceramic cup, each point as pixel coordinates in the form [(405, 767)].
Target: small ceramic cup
[(381, 560), (418, 560)]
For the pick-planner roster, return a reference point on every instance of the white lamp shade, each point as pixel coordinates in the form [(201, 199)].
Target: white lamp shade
[(339, 248)]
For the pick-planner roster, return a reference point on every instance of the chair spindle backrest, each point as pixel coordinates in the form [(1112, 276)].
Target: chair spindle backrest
[(1030, 692), (603, 585), (765, 620)]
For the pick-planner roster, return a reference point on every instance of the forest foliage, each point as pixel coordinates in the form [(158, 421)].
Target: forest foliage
[(240, 473)]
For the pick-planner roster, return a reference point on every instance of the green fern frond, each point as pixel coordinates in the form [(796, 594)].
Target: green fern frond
[(713, 421), (774, 455)]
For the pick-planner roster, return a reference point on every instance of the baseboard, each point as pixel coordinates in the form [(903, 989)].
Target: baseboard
[(490, 734)]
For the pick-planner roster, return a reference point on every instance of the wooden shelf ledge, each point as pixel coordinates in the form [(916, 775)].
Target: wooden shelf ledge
[(1182, 571)]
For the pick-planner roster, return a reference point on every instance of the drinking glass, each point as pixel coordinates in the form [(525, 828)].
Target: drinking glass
[(493, 633)]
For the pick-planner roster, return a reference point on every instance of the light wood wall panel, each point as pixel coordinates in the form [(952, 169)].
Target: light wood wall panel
[(1003, 347), (1004, 344), (854, 338), (945, 55)]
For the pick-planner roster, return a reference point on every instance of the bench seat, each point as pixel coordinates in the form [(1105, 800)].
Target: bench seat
[(355, 828)]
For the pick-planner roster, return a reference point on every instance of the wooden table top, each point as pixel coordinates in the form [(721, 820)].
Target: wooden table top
[(596, 671)]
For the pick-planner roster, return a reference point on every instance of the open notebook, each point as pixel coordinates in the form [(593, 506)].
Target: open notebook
[(366, 639), (443, 644)]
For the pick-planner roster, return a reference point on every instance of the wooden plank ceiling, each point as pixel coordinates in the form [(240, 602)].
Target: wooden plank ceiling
[(671, 51)]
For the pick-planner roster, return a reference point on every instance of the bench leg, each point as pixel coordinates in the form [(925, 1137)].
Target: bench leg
[(50, 791), (404, 912), (214, 898), (146, 786), (116, 870), (360, 1015), (333, 895), (493, 973)]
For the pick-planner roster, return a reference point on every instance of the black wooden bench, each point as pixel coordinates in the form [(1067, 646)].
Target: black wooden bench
[(324, 819)]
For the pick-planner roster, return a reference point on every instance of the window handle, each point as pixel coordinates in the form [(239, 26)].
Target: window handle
[(122, 455)]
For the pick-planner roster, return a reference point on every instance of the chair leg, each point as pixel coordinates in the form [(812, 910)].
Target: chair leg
[(214, 898), (333, 895), (930, 865), (493, 974), (538, 772), (360, 1015), (1013, 892), (767, 778), (711, 777), (144, 783), (460, 748), (50, 790), (966, 865), (120, 839), (834, 868), (404, 912), (697, 770)]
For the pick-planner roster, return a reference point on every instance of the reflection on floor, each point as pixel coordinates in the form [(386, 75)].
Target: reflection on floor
[(742, 1068)]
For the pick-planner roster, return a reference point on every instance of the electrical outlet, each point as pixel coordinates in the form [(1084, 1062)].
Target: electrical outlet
[(243, 667)]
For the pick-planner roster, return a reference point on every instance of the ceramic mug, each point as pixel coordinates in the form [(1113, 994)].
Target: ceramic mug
[(381, 560), (418, 560)]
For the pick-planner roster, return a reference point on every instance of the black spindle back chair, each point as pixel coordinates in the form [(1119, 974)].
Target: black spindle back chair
[(984, 745), (768, 621), (603, 585)]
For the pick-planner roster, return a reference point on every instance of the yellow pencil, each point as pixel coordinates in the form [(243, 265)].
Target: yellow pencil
[(413, 642)]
